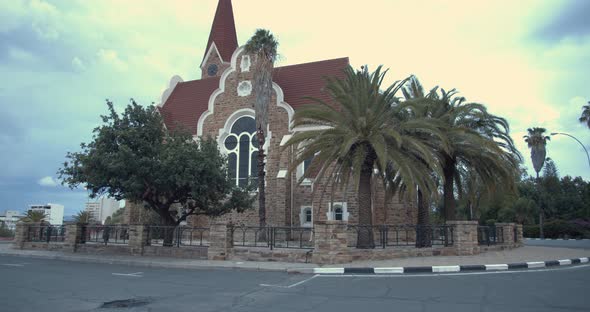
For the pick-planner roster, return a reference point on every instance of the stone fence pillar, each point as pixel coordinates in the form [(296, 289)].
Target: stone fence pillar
[(519, 235), (507, 233), (74, 236), (465, 237), (20, 235), (330, 243), (220, 241), (138, 237)]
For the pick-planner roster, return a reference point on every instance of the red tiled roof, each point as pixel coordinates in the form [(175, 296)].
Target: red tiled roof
[(223, 31), (187, 102), (307, 80), (190, 99)]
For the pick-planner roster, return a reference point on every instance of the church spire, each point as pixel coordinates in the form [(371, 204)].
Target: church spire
[(223, 31)]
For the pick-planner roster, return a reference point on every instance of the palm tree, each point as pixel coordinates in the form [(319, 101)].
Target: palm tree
[(411, 113), (33, 216), (359, 132), (83, 217), (264, 47), (537, 142), (479, 141), (585, 117)]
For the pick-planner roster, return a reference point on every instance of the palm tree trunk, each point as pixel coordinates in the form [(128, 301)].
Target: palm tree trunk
[(261, 186), (365, 230), (541, 233), (423, 233), (448, 189)]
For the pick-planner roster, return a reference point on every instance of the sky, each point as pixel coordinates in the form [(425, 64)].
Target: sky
[(525, 60)]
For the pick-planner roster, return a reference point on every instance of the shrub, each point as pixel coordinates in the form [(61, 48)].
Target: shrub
[(560, 229), (5, 231)]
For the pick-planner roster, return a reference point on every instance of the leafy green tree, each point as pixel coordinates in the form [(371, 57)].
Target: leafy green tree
[(5, 231), (359, 134), (33, 216), (84, 217), (132, 156), (117, 217), (585, 117), (550, 169), (264, 47)]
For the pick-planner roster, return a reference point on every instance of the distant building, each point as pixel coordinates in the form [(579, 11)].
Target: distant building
[(10, 218), (102, 209), (54, 213)]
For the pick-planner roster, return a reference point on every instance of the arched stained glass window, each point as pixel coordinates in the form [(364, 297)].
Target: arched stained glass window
[(242, 150)]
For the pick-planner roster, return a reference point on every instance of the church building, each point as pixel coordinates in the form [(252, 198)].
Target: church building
[(221, 105)]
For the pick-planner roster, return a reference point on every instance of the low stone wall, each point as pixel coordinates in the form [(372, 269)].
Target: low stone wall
[(102, 249), (265, 254), (45, 246), (176, 252)]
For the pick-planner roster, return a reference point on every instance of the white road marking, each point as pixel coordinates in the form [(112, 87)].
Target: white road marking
[(12, 264), (293, 285), (328, 270), (136, 274), (395, 270), (536, 264), (446, 268), (493, 267)]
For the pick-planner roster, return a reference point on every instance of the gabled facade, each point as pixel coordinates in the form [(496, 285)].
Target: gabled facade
[(221, 105)]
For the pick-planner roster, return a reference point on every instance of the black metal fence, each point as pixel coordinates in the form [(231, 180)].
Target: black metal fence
[(383, 236), (105, 234), (272, 237), (490, 235), (46, 233), (177, 236)]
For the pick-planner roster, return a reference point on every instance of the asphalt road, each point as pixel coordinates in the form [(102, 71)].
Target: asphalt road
[(52, 285), (581, 244)]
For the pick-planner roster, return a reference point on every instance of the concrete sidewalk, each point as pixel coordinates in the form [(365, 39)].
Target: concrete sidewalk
[(523, 254)]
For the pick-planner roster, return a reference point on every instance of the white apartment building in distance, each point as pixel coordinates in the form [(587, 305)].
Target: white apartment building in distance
[(10, 218), (54, 213), (102, 209)]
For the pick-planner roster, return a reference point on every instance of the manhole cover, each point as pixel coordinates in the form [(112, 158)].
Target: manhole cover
[(126, 303)]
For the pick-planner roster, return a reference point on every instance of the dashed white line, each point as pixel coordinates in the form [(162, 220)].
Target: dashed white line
[(136, 274), (291, 286)]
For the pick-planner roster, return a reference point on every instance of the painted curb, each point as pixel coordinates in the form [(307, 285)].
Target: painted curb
[(443, 269), (558, 239)]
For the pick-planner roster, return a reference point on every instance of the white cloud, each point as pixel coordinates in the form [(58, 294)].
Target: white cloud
[(78, 64), (110, 57), (20, 55), (47, 181)]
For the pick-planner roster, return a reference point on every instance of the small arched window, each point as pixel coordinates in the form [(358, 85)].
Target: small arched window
[(306, 216), (242, 151)]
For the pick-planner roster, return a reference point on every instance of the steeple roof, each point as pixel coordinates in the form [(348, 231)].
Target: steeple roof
[(223, 31)]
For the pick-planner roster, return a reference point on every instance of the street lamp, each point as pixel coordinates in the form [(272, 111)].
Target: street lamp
[(571, 136)]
